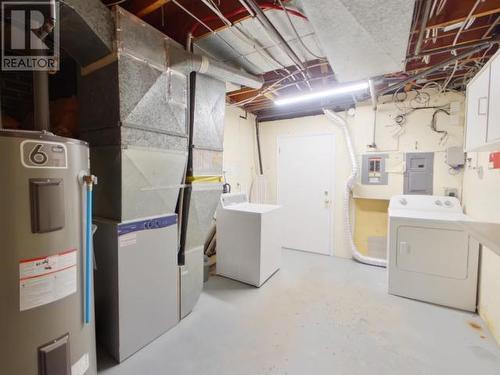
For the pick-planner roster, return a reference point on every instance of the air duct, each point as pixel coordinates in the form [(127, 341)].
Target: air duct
[(87, 30), (223, 72), (339, 121)]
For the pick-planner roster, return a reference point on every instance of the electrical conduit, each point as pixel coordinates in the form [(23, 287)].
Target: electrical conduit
[(339, 121)]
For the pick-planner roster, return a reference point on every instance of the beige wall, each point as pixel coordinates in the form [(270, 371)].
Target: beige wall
[(417, 137), (481, 201), (239, 149)]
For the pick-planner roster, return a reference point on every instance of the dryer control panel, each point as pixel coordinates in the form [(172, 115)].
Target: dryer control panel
[(426, 203)]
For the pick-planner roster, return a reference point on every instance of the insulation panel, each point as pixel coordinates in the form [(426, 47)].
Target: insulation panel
[(362, 38)]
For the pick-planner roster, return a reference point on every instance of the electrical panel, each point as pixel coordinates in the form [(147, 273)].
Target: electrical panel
[(373, 169), (419, 175)]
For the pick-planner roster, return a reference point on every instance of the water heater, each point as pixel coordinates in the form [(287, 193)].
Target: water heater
[(46, 294)]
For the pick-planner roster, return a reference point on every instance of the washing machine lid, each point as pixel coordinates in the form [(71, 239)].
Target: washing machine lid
[(253, 208)]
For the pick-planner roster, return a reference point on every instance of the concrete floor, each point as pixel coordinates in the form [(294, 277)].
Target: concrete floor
[(317, 315)]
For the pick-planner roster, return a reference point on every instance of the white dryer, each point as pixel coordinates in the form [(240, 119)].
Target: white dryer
[(248, 239), (431, 257)]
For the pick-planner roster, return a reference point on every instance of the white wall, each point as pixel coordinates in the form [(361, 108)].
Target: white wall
[(239, 163), (481, 201), (417, 137)]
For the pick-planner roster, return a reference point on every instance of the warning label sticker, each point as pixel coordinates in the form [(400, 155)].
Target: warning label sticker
[(47, 279)]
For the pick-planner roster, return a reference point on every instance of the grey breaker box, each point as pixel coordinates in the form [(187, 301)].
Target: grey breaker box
[(373, 169), (136, 282), (419, 175)]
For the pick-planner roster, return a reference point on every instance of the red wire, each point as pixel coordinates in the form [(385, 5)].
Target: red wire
[(241, 10)]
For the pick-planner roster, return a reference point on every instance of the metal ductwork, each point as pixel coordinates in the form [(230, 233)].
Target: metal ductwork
[(87, 30)]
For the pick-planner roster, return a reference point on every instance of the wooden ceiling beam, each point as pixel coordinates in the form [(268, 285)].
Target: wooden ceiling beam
[(460, 19)]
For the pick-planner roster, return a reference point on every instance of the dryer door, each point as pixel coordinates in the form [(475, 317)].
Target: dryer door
[(436, 251)]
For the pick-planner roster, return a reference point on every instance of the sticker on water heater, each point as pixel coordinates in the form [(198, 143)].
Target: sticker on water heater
[(127, 239), (44, 154), (47, 279)]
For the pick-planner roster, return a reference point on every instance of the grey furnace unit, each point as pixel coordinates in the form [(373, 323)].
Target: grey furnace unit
[(419, 174), (41, 272), (136, 282)]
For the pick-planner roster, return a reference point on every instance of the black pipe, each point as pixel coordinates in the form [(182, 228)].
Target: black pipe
[(257, 133), (41, 109), (41, 103)]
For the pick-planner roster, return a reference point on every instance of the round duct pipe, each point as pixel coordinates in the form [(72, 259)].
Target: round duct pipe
[(339, 121)]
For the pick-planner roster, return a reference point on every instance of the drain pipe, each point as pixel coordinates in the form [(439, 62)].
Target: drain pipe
[(339, 121), (41, 110), (257, 136), (373, 95)]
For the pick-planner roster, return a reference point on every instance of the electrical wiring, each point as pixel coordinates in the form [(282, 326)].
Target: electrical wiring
[(407, 106), (446, 83), (299, 38), (440, 7), (444, 133), (270, 88), (466, 21)]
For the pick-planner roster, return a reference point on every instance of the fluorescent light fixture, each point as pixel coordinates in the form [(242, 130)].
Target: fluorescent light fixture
[(322, 94)]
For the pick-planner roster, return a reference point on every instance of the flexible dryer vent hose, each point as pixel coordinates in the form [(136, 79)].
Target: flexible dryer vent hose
[(339, 121)]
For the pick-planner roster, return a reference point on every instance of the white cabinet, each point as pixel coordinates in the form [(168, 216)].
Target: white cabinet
[(477, 110), (483, 109), (494, 102)]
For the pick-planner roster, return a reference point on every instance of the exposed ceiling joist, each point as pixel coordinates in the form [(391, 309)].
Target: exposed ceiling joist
[(150, 8), (480, 14)]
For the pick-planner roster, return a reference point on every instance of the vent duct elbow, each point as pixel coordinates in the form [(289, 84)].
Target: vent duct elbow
[(204, 65)]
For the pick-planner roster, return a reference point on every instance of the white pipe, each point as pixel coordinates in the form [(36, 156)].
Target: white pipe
[(339, 121), (205, 65)]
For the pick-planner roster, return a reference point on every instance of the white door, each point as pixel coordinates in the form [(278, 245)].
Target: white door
[(305, 190)]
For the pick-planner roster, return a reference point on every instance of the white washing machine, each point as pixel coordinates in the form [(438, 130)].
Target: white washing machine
[(248, 239), (431, 258)]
